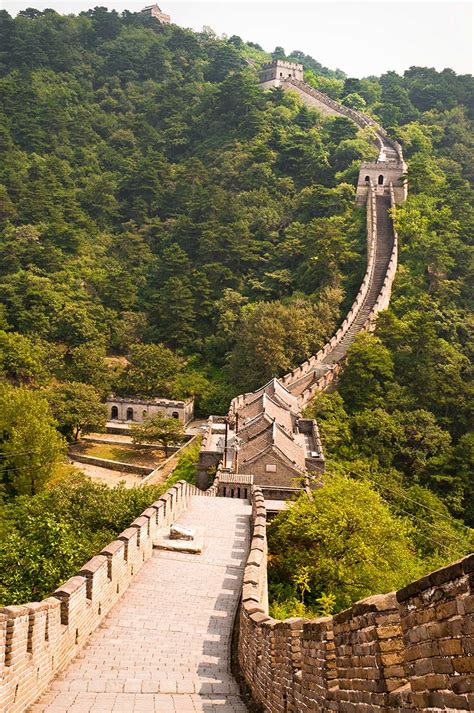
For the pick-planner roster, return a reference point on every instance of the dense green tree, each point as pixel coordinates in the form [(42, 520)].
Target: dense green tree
[(349, 541), (86, 363), (77, 409), (158, 429), (30, 446), (369, 366), (151, 370), (41, 544), (273, 336), (22, 360)]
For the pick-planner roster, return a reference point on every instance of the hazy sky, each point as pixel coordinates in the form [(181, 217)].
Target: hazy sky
[(362, 38)]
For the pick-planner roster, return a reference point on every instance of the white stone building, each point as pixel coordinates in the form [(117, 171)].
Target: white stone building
[(134, 410)]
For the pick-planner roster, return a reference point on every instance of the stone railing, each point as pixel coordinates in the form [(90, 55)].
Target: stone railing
[(383, 299), (409, 650), (39, 639), (316, 359)]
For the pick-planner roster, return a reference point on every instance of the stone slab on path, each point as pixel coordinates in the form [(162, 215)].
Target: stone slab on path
[(165, 647)]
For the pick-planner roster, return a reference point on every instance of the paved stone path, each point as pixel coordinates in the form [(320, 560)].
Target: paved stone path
[(165, 647)]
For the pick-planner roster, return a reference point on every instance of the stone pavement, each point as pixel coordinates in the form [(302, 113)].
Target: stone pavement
[(165, 647)]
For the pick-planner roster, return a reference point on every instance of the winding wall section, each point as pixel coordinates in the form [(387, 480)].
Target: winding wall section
[(374, 294)]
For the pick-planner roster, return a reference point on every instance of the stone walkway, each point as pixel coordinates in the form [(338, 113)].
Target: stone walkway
[(165, 647)]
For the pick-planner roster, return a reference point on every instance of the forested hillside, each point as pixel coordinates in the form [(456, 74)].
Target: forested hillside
[(166, 227), (152, 193)]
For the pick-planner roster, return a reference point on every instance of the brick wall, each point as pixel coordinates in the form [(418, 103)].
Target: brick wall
[(405, 651), (40, 638)]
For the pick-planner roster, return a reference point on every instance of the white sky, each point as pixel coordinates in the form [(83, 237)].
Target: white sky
[(361, 37)]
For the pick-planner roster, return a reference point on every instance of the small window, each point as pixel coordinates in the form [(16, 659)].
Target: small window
[(281, 74), (270, 468), (367, 179), (380, 180), (144, 414), (114, 413), (130, 414), (175, 414)]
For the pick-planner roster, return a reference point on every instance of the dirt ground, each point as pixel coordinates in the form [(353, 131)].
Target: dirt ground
[(109, 477), (122, 453)]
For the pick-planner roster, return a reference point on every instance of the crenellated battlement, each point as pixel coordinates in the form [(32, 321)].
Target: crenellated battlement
[(272, 74), (39, 639)]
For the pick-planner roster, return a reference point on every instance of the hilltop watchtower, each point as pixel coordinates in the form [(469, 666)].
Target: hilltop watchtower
[(156, 12), (274, 73)]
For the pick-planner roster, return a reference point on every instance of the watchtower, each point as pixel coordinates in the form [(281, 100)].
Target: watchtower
[(382, 173), (274, 73), (155, 11)]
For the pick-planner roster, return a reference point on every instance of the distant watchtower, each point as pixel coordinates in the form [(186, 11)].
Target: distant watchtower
[(155, 11), (274, 73)]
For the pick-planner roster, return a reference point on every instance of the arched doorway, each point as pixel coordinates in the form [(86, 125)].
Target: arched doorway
[(367, 179), (380, 180), (114, 413), (130, 414), (175, 414)]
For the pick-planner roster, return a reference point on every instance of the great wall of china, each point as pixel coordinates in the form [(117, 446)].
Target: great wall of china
[(142, 629)]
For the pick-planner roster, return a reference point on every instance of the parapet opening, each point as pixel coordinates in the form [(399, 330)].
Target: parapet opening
[(29, 640), (89, 587), (64, 609)]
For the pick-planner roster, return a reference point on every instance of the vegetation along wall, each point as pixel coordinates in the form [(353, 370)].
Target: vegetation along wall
[(408, 650)]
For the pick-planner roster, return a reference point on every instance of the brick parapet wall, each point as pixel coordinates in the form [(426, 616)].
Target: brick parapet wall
[(405, 651), (39, 639)]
